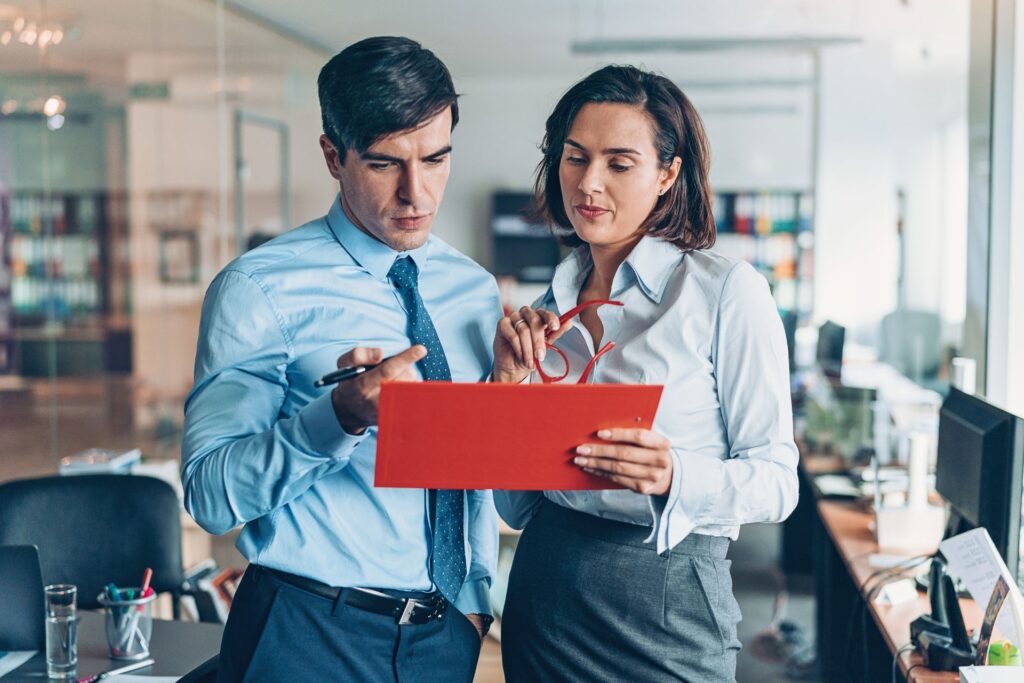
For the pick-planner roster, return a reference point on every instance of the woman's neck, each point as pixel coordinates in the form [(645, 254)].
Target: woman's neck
[(606, 260)]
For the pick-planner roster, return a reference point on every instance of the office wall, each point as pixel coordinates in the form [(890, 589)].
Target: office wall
[(890, 122), (758, 140)]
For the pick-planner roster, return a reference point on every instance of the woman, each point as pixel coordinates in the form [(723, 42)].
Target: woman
[(632, 583)]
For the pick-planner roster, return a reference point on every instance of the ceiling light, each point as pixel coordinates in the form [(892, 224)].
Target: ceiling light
[(604, 45), (55, 122), (8, 107), (54, 105)]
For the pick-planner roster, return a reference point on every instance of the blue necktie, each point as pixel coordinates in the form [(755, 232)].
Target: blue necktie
[(448, 555)]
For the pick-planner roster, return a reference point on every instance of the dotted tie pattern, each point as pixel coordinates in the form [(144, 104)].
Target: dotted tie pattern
[(448, 555)]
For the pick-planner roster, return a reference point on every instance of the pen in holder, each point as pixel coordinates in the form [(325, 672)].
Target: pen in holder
[(129, 622)]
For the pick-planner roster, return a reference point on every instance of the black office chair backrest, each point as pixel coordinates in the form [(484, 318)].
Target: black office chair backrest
[(95, 529)]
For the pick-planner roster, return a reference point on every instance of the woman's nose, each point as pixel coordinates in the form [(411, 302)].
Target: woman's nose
[(591, 181)]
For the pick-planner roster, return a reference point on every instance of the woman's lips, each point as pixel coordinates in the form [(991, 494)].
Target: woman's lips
[(590, 212)]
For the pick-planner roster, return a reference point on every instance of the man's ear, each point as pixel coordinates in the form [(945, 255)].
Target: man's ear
[(331, 156)]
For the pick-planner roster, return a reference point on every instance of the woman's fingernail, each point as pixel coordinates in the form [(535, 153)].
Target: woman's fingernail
[(580, 461), (583, 450), (540, 354), (604, 434)]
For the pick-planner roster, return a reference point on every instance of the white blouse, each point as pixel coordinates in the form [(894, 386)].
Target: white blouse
[(707, 328)]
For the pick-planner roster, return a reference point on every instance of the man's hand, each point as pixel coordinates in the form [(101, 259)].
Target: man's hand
[(356, 400), (478, 621)]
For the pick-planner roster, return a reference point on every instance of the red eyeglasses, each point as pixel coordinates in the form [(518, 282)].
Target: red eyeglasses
[(552, 377)]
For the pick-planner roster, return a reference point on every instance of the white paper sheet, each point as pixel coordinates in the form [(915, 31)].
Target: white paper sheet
[(973, 557), (12, 660)]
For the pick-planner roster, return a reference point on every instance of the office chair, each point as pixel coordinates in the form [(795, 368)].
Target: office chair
[(92, 530), (204, 673)]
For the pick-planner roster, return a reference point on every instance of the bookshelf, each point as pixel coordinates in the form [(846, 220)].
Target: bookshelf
[(773, 231), (59, 257)]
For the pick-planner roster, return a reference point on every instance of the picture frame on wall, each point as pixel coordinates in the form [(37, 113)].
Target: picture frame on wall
[(179, 257)]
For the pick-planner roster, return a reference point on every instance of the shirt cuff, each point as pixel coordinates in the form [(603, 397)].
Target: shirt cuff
[(475, 597), (689, 498), (323, 431)]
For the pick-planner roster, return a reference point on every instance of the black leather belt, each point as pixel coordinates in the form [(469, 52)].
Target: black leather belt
[(403, 610)]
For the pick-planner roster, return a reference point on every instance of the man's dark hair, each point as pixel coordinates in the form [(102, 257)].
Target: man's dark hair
[(380, 86), (683, 214)]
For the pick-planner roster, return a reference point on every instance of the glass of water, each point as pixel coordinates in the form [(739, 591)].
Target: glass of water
[(61, 632)]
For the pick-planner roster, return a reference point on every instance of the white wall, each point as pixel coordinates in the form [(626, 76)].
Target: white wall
[(891, 121)]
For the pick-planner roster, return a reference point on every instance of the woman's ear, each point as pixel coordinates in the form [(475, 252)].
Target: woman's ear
[(668, 175)]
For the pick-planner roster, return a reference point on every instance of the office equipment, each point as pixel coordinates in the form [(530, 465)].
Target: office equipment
[(789, 323), (119, 671), (94, 529), (342, 375), (500, 436), (979, 471), (522, 247), (831, 338), (973, 558), (21, 587), (948, 653)]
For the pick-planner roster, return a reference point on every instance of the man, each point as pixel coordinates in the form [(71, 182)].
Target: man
[(347, 581)]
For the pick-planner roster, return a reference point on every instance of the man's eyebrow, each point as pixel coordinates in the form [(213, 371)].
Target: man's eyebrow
[(373, 156), (439, 153), (610, 150)]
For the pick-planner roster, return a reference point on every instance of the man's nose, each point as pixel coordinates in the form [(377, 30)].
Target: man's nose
[(411, 189)]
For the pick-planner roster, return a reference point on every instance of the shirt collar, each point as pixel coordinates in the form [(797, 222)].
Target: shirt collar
[(369, 252), (650, 263)]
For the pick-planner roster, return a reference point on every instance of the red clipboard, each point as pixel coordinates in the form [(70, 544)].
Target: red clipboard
[(500, 436)]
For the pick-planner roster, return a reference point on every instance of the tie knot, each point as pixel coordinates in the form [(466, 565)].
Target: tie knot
[(404, 273)]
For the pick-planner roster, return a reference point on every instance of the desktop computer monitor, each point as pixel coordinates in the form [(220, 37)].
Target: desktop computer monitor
[(831, 338), (789, 322), (980, 470)]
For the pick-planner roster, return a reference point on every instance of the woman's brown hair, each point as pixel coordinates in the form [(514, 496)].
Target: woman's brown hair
[(683, 214)]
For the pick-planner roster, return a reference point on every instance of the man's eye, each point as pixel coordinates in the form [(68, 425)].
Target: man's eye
[(380, 165), (437, 161)]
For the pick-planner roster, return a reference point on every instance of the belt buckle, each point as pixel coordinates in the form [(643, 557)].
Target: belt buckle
[(406, 617)]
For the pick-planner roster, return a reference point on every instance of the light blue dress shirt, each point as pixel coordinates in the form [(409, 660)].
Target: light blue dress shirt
[(706, 327), (262, 446)]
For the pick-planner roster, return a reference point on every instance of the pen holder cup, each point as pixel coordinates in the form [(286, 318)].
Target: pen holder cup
[(129, 625)]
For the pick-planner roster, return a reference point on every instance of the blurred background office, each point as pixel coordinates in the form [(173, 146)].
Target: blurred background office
[(863, 158)]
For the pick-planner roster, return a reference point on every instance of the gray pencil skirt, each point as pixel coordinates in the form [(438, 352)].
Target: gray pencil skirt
[(588, 600)]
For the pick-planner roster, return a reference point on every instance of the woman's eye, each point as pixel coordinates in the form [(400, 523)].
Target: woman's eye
[(620, 168), (575, 161)]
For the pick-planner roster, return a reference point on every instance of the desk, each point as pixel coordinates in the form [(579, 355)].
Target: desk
[(177, 646), (843, 541)]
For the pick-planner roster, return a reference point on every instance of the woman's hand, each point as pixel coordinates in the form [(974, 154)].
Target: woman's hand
[(520, 342), (638, 459)]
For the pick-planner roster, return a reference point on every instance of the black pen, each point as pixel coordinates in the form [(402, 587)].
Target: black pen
[(343, 374)]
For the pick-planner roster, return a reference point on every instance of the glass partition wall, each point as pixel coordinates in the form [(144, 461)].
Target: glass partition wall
[(143, 144)]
